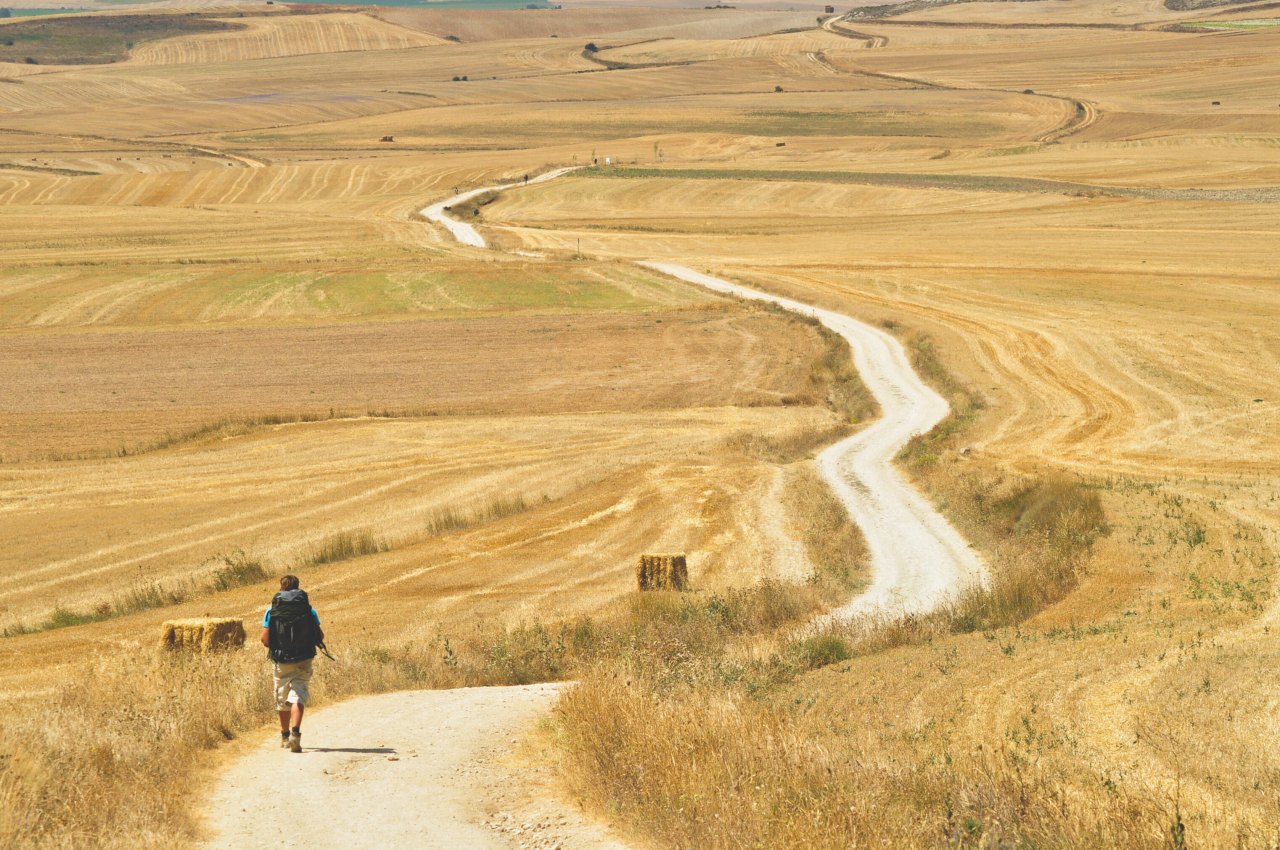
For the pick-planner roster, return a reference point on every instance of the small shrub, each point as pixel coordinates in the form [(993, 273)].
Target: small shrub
[(591, 47), (777, 88), (238, 570), (822, 650)]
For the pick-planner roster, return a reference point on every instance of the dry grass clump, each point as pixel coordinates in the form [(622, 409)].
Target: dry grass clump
[(105, 760), (790, 445), (344, 546), (225, 429), (697, 769), (230, 571), (451, 518)]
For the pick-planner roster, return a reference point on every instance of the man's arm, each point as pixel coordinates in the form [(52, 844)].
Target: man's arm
[(266, 638)]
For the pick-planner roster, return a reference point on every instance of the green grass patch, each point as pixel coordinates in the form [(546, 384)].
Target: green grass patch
[(182, 294), (1263, 23), (958, 182), (94, 40)]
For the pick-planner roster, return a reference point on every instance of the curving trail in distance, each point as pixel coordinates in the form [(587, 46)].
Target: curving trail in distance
[(918, 560), (460, 230)]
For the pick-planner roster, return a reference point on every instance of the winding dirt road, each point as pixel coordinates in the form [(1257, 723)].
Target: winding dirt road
[(463, 232), (918, 559), (423, 769)]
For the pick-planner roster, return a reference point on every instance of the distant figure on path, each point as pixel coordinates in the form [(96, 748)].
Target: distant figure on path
[(291, 632), (526, 179)]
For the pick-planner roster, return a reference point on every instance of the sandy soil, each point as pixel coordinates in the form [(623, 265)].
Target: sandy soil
[(421, 769)]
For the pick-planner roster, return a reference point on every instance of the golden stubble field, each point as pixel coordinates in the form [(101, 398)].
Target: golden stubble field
[(211, 235)]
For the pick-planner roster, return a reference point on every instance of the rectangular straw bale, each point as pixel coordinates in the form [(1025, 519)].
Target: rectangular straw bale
[(662, 572), (204, 635)]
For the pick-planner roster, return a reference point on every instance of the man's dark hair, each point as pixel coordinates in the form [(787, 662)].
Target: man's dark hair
[(289, 583)]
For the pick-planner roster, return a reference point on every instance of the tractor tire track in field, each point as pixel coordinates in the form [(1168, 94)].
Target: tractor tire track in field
[(423, 763)]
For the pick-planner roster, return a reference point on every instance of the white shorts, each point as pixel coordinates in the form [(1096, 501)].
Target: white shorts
[(291, 683)]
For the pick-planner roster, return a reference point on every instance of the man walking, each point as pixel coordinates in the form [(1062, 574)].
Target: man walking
[(291, 632)]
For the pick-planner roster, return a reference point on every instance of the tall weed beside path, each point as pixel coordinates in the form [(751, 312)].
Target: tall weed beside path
[(727, 751), (690, 768), (106, 760)]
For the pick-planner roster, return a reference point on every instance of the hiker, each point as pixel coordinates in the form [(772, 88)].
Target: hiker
[(526, 180), (291, 632)]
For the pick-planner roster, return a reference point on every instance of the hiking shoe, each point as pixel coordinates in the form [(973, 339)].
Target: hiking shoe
[(295, 743), (284, 741)]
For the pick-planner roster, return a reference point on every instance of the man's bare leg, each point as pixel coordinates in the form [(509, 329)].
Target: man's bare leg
[(291, 717)]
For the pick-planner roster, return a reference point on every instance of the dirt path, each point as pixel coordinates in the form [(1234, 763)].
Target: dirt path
[(424, 769), (463, 232), (416, 769), (917, 558)]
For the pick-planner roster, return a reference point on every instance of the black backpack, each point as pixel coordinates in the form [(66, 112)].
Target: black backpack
[(294, 632)]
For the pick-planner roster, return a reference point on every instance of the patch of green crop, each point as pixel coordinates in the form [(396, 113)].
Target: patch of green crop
[(93, 40)]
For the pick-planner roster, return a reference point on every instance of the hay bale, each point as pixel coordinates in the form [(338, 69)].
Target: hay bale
[(205, 635), (662, 572)]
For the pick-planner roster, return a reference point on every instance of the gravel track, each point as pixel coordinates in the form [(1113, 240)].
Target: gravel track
[(918, 559)]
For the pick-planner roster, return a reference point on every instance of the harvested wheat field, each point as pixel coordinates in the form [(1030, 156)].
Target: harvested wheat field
[(232, 347)]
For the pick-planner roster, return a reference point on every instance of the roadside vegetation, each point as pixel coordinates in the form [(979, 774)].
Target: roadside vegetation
[(690, 756), (832, 382), (471, 208), (686, 727)]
